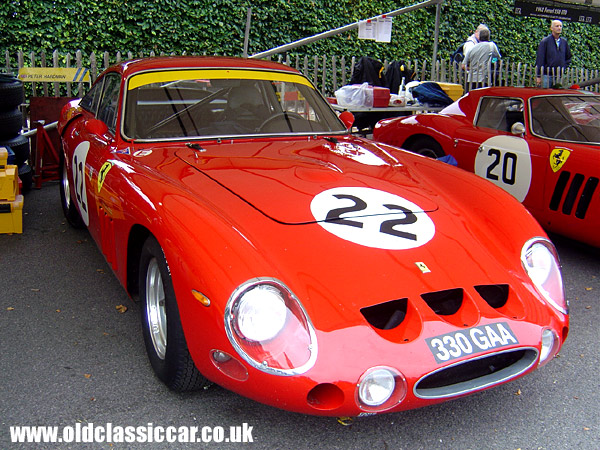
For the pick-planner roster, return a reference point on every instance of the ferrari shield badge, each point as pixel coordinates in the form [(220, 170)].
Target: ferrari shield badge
[(558, 157), (102, 174)]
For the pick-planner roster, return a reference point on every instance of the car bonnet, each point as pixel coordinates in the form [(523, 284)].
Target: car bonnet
[(282, 178)]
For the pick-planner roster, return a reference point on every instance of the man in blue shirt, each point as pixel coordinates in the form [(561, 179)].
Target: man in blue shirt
[(553, 55)]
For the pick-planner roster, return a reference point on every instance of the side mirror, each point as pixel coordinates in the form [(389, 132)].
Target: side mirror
[(95, 126), (518, 129), (347, 118)]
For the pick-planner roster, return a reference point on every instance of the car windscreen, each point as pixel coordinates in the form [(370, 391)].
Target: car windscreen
[(566, 117), (223, 103)]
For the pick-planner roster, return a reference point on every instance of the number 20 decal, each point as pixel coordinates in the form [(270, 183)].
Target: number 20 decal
[(508, 166), (506, 162), (372, 218)]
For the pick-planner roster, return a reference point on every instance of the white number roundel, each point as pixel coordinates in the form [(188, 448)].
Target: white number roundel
[(372, 218), (78, 169), (506, 162)]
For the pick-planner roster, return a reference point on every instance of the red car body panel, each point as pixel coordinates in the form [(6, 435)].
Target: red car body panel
[(231, 210), (565, 199)]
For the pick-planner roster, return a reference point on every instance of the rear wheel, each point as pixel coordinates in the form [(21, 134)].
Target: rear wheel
[(427, 146), (163, 334)]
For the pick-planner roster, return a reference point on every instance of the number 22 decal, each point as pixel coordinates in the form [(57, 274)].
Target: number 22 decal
[(372, 218), (387, 226)]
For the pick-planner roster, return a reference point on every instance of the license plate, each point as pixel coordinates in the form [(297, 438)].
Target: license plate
[(457, 344)]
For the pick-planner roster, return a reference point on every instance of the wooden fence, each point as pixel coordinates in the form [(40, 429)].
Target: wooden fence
[(328, 73)]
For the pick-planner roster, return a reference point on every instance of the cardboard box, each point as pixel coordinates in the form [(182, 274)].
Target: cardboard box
[(11, 216), (453, 90)]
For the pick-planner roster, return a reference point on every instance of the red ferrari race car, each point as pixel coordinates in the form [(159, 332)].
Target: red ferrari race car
[(277, 255), (540, 145)]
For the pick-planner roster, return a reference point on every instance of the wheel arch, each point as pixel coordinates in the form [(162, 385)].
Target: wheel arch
[(419, 137), (135, 242)]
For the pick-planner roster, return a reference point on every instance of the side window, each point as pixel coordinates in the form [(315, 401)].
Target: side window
[(107, 110), (499, 113), (89, 102)]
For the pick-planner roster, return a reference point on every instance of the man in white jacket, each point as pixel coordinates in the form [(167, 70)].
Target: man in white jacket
[(478, 60), (473, 39)]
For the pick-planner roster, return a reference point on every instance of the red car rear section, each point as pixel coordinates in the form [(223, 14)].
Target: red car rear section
[(557, 180), (398, 273)]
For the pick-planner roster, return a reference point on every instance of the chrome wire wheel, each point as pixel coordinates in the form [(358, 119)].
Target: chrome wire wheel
[(156, 312)]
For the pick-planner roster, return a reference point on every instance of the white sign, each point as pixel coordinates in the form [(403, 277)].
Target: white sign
[(384, 29), (379, 29), (366, 29)]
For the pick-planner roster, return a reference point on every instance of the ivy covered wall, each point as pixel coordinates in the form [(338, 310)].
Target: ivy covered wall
[(217, 27)]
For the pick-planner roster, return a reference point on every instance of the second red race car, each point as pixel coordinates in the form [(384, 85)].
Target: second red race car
[(542, 146)]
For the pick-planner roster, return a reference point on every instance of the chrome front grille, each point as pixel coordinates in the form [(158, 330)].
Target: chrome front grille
[(476, 373)]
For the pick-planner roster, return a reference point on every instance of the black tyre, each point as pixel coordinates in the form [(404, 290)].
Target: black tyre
[(10, 123), (20, 147), (163, 334), (12, 93), (66, 200), (26, 176), (427, 146)]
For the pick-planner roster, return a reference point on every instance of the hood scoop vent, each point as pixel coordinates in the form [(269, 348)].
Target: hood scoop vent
[(386, 316), (444, 303), (496, 295)]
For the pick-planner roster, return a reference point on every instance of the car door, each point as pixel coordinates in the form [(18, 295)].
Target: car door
[(493, 152), (571, 204), (92, 138)]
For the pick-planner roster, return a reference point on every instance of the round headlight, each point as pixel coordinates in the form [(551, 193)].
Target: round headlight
[(261, 313), (376, 387), (540, 261), (269, 328)]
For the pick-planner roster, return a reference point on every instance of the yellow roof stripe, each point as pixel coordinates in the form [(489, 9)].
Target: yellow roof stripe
[(214, 74)]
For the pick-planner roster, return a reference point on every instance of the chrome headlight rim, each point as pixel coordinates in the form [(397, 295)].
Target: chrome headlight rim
[(547, 244), (235, 338)]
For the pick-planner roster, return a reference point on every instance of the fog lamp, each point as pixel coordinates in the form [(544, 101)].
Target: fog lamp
[(376, 386)]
